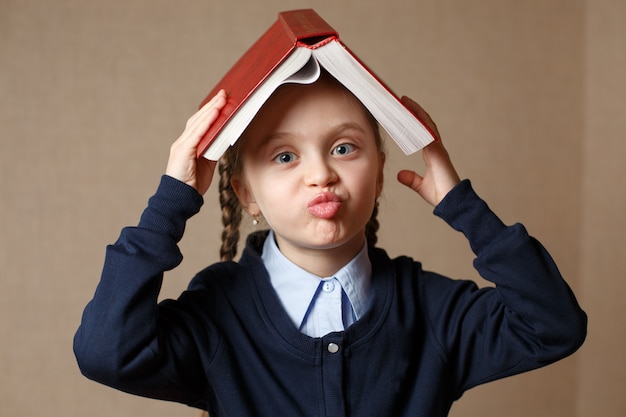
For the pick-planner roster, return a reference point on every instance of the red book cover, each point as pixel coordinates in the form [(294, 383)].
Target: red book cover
[(292, 27)]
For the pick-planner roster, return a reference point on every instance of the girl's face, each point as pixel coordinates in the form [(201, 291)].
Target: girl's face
[(312, 167)]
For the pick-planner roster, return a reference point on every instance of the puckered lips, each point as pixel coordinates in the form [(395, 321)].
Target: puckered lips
[(324, 205)]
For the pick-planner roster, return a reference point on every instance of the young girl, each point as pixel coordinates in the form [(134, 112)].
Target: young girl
[(314, 320)]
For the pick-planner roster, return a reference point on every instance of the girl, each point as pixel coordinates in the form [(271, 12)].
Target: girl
[(314, 320)]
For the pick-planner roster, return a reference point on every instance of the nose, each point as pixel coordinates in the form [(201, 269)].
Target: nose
[(320, 173)]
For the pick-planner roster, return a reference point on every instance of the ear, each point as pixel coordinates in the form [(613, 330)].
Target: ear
[(244, 194)]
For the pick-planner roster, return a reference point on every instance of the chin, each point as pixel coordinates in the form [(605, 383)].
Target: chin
[(337, 238)]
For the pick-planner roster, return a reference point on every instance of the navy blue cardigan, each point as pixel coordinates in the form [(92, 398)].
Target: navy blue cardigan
[(228, 346)]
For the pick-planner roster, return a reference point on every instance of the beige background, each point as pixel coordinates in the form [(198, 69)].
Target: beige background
[(529, 96)]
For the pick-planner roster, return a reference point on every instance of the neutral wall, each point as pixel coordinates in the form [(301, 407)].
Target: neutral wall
[(602, 367), (528, 96)]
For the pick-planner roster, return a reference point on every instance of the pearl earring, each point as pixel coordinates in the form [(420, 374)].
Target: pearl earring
[(255, 218)]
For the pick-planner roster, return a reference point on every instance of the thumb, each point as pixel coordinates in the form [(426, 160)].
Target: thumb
[(411, 179)]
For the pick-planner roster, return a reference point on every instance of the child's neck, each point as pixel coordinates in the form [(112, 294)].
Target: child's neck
[(323, 262)]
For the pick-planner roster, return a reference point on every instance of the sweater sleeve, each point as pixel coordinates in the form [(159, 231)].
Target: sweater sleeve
[(529, 319), (120, 341)]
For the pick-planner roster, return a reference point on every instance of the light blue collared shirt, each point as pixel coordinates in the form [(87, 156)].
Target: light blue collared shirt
[(317, 305)]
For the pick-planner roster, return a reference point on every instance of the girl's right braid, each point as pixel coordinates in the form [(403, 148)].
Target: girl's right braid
[(372, 227), (231, 209)]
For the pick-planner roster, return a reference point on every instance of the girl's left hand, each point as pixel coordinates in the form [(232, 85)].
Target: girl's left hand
[(440, 176)]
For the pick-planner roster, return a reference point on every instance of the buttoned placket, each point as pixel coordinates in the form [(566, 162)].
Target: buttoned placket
[(326, 316), (332, 374)]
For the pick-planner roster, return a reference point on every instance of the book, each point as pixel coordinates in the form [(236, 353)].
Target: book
[(293, 50)]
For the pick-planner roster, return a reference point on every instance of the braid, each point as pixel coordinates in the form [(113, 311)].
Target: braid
[(231, 209), (372, 227)]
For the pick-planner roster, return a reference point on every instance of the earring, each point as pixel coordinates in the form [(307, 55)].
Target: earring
[(255, 218)]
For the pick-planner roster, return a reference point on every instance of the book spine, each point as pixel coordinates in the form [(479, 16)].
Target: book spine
[(305, 24)]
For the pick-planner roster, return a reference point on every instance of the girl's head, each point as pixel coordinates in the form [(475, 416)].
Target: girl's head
[(311, 162)]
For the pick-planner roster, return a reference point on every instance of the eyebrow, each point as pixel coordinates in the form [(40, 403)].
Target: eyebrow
[(346, 126), (332, 131)]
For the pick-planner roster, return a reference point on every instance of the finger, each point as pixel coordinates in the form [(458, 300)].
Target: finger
[(199, 128), (410, 179), (207, 111), (200, 122), (218, 101), (434, 151), (421, 114)]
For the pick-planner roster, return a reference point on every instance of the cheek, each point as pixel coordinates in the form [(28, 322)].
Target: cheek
[(271, 194), (366, 189), (371, 180)]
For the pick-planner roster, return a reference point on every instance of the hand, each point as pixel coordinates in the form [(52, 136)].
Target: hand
[(440, 176), (183, 163)]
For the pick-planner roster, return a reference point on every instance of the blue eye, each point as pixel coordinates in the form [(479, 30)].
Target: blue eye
[(343, 149), (285, 157)]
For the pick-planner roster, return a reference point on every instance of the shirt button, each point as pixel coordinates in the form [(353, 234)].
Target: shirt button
[(328, 286), (333, 347)]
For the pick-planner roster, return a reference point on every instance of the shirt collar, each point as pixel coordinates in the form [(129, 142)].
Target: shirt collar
[(296, 287)]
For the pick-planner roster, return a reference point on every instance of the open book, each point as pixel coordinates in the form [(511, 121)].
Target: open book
[(292, 51)]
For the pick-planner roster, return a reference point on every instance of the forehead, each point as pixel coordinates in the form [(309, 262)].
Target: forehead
[(306, 108)]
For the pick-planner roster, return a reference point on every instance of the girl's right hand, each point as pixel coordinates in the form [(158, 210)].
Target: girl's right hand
[(183, 163), (440, 176)]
